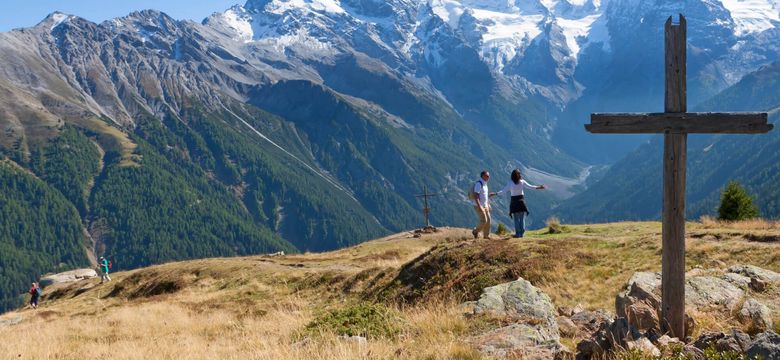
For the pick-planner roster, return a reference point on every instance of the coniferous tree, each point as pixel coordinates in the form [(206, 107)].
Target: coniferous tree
[(736, 203)]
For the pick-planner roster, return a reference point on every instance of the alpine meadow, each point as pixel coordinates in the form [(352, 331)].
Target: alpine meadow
[(290, 179)]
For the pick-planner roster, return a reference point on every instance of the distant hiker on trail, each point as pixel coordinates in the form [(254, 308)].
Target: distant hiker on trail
[(517, 208), (105, 266), (35, 295), (481, 197)]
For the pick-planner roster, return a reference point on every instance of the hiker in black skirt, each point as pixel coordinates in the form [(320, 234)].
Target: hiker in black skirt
[(517, 208)]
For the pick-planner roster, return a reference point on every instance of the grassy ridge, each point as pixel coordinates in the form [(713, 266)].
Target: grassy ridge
[(297, 306)]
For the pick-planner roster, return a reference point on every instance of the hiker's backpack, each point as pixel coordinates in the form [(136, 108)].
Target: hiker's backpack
[(109, 265), (472, 194), (38, 291)]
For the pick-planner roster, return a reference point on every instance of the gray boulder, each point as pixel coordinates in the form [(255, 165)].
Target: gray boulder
[(640, 302), (68, 276), (534, 333), (755, 272), (766, 345), (517, 300), (588, 322), (705, 292), (735, 340), (755, 315), (739, 280)]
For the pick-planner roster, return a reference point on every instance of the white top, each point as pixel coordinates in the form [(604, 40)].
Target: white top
[(517, 189), (481, 188)]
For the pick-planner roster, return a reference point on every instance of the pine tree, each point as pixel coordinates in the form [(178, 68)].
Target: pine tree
[(736, 204)]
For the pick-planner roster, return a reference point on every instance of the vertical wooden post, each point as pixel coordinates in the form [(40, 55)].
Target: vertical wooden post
[(426, 209), (675, 148)]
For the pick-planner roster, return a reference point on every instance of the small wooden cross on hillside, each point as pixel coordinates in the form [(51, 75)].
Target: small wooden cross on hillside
[(675, 123), (426, 210)]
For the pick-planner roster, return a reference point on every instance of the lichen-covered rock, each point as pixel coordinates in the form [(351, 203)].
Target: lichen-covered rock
[(739, 280), (755, 272), (517, 300), (708, 291), (640, 303), (519, 340), (68, 276), (755, 315), (766, 345), (534, 333)]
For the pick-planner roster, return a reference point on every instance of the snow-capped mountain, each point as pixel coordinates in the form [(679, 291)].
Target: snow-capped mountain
[(372, 98)]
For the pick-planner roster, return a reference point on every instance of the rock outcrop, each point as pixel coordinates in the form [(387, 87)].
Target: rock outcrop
[(640, 302), (533, 331), (755, 315), (766, 346), (68, 276), (637, 325)]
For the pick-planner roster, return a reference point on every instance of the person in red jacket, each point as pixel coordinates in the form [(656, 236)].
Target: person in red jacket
[(35, 295)]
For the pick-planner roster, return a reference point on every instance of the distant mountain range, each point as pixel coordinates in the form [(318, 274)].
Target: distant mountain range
[(311, 125), (631, 189)]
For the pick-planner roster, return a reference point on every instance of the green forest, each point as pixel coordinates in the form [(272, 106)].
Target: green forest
[(40, 231)]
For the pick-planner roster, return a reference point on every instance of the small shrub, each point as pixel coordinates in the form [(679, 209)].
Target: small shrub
[(712, 354), (736, 204), (363, 319), (554, 226), (501, 229)]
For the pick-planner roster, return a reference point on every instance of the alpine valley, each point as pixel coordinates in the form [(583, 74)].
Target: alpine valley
[(310, 125)]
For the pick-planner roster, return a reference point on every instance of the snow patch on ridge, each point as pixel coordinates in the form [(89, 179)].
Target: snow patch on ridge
[(753, 16), (239, 21), (58, 19), (327, 6)]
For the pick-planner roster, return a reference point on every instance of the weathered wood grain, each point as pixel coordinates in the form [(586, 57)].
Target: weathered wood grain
[(673, 234), (711, 123)]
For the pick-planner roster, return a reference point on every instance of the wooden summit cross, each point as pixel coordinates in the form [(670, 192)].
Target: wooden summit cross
[(675, 123), (426, 210)]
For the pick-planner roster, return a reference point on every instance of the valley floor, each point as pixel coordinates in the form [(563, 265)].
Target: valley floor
[(293, 307)]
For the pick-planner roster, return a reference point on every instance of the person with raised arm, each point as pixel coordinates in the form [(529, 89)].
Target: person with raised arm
[(517, 207)]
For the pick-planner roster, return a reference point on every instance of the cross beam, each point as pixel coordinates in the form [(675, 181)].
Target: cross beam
[(675, 123), (679, 123)]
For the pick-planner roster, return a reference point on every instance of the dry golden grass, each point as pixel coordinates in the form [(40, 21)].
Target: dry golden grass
[(258, 307), (752, 224)]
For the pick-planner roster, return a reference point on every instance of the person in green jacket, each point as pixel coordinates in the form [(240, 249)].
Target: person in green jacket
[(104, 267)]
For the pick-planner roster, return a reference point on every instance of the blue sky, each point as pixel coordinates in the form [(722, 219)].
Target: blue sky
[(26, 13)]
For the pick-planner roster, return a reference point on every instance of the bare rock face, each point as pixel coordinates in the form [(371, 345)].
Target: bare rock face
[(534, 333), (68, 276), (755, 315)]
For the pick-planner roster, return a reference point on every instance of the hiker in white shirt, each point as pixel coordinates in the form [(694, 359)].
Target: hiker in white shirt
[(517, 208), (482, 206)]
